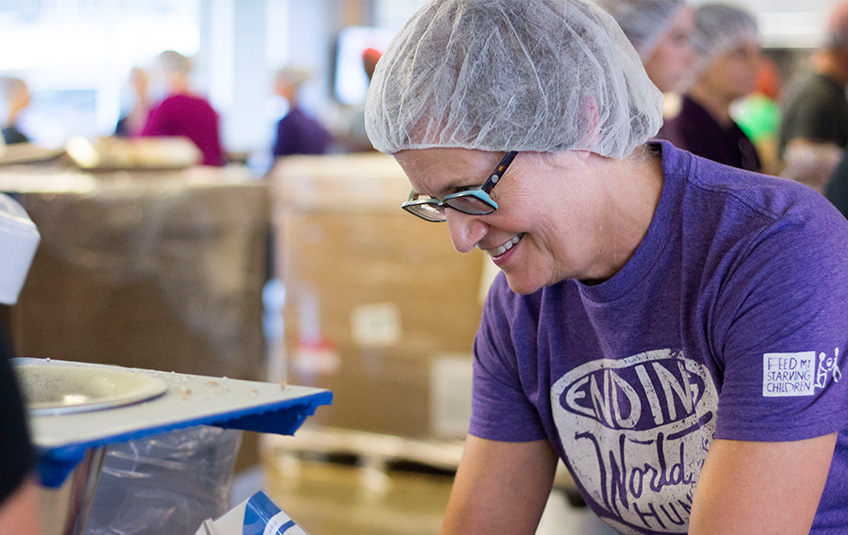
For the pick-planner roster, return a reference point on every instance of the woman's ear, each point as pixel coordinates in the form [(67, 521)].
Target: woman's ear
[(592, 117)]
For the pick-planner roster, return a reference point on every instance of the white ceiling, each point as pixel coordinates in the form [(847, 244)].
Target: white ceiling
[(788, 23)]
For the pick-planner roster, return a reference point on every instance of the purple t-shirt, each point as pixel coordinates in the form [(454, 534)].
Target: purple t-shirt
[(192, 117), (728, 321), (298, 133), (694, 129)]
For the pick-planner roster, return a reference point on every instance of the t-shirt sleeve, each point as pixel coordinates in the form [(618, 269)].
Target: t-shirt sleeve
[(783, 334), (18, 457), (500, 408)]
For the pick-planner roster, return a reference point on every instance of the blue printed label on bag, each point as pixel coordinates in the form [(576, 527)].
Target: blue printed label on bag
[(263, 517)]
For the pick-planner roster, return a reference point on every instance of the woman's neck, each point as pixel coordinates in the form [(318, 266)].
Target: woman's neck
[(634, 190), (179, 86)]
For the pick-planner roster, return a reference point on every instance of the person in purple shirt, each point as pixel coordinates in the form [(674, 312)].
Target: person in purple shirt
[(297, 132), (726, 40), (670, 327), (184, 113)]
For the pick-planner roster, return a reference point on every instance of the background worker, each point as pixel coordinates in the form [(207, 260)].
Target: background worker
[(728, 48), (814, 119)]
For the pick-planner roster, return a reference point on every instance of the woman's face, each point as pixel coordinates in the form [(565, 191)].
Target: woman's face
[(674, 56), (544, 217), (732, 75)]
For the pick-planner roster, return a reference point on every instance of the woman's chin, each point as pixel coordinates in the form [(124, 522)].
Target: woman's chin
[(523, 284)]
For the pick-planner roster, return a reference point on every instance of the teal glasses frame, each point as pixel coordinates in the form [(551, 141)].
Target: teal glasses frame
[(475, 201)]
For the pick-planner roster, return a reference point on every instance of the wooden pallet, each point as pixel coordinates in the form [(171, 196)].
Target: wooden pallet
[(371, 449), (378, 454)]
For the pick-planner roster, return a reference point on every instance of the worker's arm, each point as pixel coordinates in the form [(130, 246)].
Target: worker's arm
[(810, 162), (761, 487), (500, 487), (19, 513)]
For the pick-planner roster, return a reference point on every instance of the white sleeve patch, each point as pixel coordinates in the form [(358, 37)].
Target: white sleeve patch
[(789, 374)]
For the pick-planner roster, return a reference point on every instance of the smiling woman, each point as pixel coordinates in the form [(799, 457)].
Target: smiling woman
[(643, 287), (555, 219)]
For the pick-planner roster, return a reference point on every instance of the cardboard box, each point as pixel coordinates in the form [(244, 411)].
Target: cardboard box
[(374, 296), (159, 271)]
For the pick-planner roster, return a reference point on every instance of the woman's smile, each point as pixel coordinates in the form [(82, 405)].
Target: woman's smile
[(498, 251)]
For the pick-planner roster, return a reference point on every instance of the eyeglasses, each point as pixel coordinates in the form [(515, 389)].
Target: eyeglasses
[(474, 201)]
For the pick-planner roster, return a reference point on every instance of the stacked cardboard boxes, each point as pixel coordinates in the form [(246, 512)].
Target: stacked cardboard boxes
[(378, 305), (161, 271)]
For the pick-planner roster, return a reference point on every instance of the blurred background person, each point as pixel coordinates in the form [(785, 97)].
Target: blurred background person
[(836, 190), (17, 96), (727, 43), (827, 124), (814, 124), (352, 137), (758, 114), (660, 31), (183, 112), (133, 122), (297, 132)]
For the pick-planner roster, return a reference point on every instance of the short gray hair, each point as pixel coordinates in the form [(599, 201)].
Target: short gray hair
[(175, 63)]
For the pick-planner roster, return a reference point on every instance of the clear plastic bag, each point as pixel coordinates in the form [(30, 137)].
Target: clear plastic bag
[(166, 484)]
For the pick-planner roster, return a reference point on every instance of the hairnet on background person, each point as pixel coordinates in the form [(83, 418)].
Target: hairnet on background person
[(719, 28), (525, 75), (644, 22), (294, 76)]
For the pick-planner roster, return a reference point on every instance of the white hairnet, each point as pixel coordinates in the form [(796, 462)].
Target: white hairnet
[(721, 27), (526, 75), (644, 22), (293, 75)]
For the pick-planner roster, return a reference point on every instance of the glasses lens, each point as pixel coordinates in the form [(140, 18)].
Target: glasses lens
[(424, 210), (469, 203)]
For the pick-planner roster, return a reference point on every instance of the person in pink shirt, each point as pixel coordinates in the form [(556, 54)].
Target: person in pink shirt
[(185, 113)]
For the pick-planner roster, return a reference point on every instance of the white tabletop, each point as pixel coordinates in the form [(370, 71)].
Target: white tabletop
[(190, 400)]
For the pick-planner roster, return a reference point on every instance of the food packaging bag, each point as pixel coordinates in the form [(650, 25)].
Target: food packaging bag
[(258, 515)]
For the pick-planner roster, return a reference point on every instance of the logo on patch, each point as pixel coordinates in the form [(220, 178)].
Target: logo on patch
[(828, 366), (798, 374)]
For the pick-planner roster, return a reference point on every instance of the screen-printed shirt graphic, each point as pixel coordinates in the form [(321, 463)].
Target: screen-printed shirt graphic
[(636, 432)]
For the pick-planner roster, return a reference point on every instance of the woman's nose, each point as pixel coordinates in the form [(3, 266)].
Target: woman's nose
[(465, 230)]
